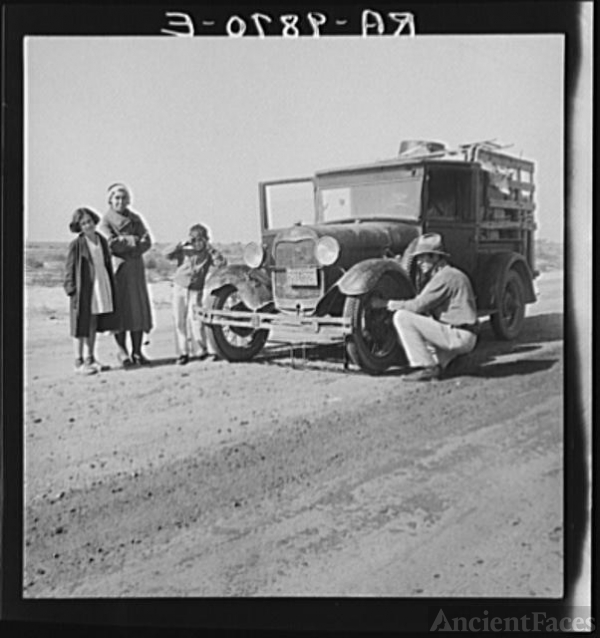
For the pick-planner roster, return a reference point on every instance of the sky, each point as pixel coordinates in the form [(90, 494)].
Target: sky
[(192, 125)]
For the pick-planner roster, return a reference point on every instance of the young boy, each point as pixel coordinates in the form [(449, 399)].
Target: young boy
[(194, 259)]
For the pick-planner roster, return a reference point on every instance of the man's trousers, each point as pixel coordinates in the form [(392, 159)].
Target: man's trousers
[(428, 342)]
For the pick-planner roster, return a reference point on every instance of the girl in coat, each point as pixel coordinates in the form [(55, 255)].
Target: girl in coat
[(128, 240), (89, 284)]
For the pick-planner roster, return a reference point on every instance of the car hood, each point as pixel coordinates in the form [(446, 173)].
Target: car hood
[(358, 239)]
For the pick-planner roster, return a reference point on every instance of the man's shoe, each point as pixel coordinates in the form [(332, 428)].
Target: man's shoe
[(183, 359), (459, 365), (430, 373)]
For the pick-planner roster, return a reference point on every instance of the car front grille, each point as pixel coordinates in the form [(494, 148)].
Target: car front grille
[(297, 278), (295, 254)]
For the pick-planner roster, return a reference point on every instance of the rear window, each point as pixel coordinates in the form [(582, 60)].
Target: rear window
[(449, 193)]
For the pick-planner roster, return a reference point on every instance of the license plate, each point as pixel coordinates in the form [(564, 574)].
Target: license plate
[(302, 276)]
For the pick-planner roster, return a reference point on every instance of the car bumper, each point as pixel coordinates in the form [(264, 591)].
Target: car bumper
[(269, 321)]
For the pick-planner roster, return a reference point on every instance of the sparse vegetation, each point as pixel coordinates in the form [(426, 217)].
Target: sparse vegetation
[(549, 255), (232, 252), (44, 262), (32, 262), (158, 267)]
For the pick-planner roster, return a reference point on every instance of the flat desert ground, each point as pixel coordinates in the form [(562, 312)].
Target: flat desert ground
[(289, 476)]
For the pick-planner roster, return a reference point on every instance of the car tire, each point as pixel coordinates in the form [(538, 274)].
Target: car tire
[(373, 344), (230, 342), (508, 319)]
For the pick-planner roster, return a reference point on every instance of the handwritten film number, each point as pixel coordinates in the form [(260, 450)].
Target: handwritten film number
[(372, 23)]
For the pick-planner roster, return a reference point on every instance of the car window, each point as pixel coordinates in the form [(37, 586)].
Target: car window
[(448, 193), (289, 203), (398, 198)]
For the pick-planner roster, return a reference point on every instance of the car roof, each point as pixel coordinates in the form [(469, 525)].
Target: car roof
[(398, 162)]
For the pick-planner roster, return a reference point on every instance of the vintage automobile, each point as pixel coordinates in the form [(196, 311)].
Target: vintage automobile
[(334, 241)]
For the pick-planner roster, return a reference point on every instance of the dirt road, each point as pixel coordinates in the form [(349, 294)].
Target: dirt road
[(262, 479)]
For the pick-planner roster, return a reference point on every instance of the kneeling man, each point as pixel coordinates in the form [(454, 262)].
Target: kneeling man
[(440, 323)]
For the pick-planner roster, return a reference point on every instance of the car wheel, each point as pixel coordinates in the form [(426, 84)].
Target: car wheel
[(233, 343), (373, 344), (508, 319)]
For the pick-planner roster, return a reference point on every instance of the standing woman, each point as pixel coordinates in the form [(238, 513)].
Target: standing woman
[(128, 240), (89, 283)]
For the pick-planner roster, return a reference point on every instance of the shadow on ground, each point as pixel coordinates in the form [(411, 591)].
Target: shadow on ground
[(157, 363), (537, 331), (508, 368), (332, 356)]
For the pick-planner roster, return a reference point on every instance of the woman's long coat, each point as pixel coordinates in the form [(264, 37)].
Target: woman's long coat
[(128, 240), (78, 284)]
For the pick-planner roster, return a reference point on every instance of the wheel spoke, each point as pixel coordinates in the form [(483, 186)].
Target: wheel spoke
[(236, 339), (376, 331), (508, 319), (510, 305), (235, 343), (374, 345)]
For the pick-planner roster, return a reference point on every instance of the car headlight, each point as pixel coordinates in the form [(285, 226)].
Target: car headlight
[(254, 255), (327, 251)]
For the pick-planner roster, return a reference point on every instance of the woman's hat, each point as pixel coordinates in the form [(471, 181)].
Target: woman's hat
[(430, 243), (118, 186)]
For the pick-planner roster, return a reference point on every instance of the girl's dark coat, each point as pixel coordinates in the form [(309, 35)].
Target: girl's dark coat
[(78, 284)]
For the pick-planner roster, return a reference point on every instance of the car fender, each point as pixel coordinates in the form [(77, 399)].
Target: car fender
[(494, 270), (363, 276), (252, 284)]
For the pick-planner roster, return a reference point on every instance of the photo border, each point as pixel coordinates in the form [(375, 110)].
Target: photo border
[(383, 614)]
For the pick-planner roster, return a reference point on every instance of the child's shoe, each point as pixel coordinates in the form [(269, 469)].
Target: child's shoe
[(124, 359), (84, 368), (96, 365), (183, 359), (140, 360)]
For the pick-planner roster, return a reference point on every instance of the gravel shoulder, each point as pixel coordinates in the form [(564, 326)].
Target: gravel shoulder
[(268, 479)]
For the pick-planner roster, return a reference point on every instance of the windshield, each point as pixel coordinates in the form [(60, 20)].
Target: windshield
[(289, 203), (398, 196)]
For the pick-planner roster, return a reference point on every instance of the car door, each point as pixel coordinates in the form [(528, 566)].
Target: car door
[(449, 205)]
